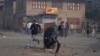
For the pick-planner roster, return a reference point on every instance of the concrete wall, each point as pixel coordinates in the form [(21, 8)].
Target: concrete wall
[(20, 13), (1, 20), (1, 14)]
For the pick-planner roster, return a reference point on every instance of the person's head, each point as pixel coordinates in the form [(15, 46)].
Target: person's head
[(34, 21)]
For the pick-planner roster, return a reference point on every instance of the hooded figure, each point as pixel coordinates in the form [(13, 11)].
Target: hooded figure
[(50, 37), (35, 28)]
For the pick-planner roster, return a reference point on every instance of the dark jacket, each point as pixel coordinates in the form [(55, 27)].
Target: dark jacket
[(50, 36), (48, 32), (35, 28)]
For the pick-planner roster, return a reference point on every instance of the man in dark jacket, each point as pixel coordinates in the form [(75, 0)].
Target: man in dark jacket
[(35, 28)]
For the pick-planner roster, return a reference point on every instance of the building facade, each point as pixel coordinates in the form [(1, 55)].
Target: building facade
[(72, 11)]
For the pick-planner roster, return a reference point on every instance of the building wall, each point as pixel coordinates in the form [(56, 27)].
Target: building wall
[(32, 11), (63, 14), (18, 13), (24, 8), (76, 15)]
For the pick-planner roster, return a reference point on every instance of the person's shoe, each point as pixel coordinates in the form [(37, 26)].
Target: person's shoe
[(27, 47), (50, 50)]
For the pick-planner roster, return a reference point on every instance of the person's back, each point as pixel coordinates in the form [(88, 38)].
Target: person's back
[(55, 32), (52, 38), (35, 28), (48, 32)]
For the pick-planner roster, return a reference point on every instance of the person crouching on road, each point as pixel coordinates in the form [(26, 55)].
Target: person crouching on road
[(51, 40)]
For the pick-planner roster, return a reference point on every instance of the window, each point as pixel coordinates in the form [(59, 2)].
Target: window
[(73, 6), (78, 6), (57, 4), (36, 4)]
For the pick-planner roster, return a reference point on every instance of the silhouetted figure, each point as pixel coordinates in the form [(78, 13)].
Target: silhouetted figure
[(61, 28), (94, 29), (50, 38), (88, 29), (35, 28), (67, 29), (83, 28)]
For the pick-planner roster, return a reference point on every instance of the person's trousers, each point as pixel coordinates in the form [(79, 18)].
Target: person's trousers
[(58, 46), (28, 31), (33, 39), (48, 44)]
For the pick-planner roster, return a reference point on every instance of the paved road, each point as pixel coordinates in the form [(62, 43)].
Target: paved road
[(12, 44)]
